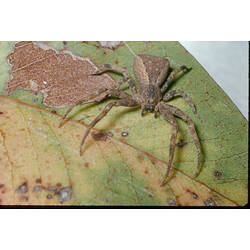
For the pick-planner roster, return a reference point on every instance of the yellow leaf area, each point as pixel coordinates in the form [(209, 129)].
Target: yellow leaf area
[(125, 156), (110, 172)]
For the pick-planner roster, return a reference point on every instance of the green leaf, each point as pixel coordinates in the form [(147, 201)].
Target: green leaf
[(40, 163)]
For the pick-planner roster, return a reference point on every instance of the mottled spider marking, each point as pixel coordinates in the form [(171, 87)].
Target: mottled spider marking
[(150, 69), (150, 73)]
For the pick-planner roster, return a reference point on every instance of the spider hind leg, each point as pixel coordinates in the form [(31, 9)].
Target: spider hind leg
[(178, 113), (163, 109)]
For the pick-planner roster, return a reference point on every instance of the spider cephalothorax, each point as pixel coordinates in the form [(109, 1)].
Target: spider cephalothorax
[(150, 73)]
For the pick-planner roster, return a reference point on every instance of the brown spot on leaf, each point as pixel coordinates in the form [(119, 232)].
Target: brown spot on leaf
[(217, 174), (146, 171), (53, 112), (116, 61), (171, 202), (152, 159), (124, 134), (210, 202), (181, 143), (100, 136), (65, 194), (62, 77), (22, 188), (86, 164), (1, 112), (38, 180), (1, 186), (58, 184), (193, 194)]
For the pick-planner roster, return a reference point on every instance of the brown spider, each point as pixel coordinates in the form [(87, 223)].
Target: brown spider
[(150, 73)]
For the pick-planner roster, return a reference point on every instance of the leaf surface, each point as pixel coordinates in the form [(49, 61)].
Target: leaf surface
[(125, 156)]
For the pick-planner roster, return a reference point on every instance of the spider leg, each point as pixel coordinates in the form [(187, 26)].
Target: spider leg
[(109, 93), (177, 112), (171, 94), (83, 101), (108, 67), (170, 118), (123, 102), (171, 77)]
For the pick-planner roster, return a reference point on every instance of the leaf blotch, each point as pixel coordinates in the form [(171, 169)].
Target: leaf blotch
[(86, 164), (193, 194), (100, 136), (38, 180), (58, 184), (124, 134), (171, 202), (210, 202), (65, 194), (22, 188), (217, 174), (181, 143), (63, 78)]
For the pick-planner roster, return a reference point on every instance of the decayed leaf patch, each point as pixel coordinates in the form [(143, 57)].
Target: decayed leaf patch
[(63, 78)]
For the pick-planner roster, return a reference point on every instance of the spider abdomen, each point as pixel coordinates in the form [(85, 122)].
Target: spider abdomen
[(150, 69)]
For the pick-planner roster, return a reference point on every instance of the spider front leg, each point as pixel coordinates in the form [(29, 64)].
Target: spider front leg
[(171, 94), (128, 102), (84, 101), (177, 112), (170, 118), (172, 76), (108, 67)]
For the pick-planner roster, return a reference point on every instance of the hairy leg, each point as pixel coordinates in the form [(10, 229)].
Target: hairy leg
[(84, 101), (171, 94), (108, 67), (171, 77), (109, 93), (123, 102), (170, 118), (177, 112)]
